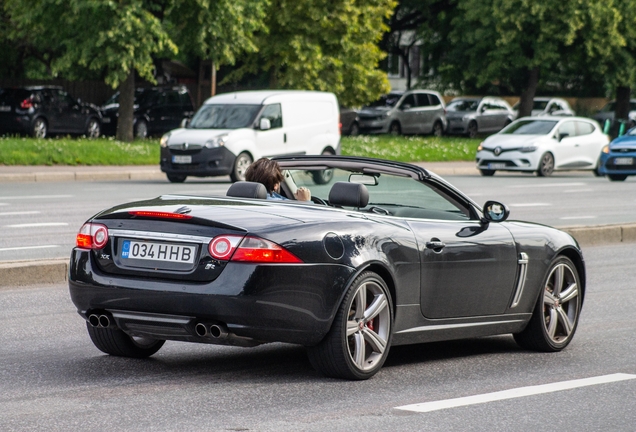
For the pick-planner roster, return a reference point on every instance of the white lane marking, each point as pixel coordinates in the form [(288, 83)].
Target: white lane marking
[(515, 393), (34, 197), (530, 205), (36, 225), (540, 185), (19, 213), (578, 190), (3, 204), (577, 217), (28, 247)]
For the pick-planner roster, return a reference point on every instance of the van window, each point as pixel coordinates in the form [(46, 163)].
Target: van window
[(301, 113), (229, 116), (274, 114)]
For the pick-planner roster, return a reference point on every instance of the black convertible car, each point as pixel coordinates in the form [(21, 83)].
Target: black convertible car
[(386, 254)]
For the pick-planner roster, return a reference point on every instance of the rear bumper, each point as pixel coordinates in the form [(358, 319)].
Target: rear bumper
[(266, 303), (12, 123)]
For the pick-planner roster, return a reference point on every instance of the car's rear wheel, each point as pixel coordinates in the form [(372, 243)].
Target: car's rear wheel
[(176, 178), (242, 162), (141, 129), (556, 313), (395, 129), (616, 177), (473, 130), (487, 172), (546, 165), (438, 129), (116, 342), (358, 343), (93, 130), (40, 129)]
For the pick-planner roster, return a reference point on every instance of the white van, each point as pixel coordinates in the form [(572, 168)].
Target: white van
[(232, 130)]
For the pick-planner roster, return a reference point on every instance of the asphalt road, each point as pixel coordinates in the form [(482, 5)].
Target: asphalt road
[(53, 379), (40, 220)]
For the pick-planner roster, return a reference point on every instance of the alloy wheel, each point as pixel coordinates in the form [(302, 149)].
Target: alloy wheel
[(561, 303)]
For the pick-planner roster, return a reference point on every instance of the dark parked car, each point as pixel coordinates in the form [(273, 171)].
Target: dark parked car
[(607, 114), (387, 254), (349, 122), (157, 110), (43, 110)]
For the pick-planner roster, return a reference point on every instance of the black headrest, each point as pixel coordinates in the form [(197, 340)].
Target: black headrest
[(245, 189), (349, 194)]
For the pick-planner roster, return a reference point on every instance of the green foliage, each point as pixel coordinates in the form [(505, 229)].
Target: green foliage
[(323, 45), (77, 151)]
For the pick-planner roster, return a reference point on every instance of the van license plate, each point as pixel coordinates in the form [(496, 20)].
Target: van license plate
[(182, 159), (165, 252), (624, 161)]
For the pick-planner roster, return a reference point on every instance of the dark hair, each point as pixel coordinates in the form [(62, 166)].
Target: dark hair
[(264, 171)]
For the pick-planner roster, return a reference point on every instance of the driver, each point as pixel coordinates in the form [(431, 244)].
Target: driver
[(267, 172)]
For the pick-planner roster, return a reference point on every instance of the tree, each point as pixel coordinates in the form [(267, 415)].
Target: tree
[(322, 45)]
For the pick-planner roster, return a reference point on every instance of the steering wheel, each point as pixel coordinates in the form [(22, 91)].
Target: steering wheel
[(379, 210), (318, 200)]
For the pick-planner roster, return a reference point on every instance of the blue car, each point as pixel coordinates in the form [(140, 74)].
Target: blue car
[(618, 158)]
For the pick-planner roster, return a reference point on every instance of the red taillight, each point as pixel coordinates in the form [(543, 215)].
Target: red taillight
[(162, 215), (340, 128), (250, 249), (26, 104), (92, 236)]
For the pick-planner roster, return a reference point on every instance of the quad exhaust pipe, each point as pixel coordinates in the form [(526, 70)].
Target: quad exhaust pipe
[(102, 321)]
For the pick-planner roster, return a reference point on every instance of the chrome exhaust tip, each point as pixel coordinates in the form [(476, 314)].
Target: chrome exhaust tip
[(93, 320), (201, 330), (218, 331), (104, 321)]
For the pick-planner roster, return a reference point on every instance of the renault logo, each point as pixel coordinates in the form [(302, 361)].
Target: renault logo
[(497, 151)]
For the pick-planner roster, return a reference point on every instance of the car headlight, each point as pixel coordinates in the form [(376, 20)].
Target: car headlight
[(163, 142), (528, 149), (480, 147), (606, 149), (218, 141)]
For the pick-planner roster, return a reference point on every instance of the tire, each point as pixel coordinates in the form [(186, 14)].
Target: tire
[(176, 178), (93, 130), (117, 343), (473, 130), (322, 177), (556, 313), (438, 129), (360, 337), (141, 129), (395, 129), (241, 163), (39, 129), (354, 130), (617, 177), (487, 172), (546, 165)]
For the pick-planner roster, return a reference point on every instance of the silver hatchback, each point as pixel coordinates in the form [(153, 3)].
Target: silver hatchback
[(410, 112), (472, 116)]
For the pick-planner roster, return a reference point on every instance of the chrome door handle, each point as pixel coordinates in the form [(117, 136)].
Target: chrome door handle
[(435, 244)]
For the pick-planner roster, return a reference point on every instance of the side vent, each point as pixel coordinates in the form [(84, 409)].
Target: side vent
[(523, 270)]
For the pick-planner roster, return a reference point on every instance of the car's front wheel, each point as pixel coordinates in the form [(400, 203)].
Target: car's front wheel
[(116, 342), (93, 130), (354, 130), (395, 129), (324, 176), (473, 129), (616, 177), (487, 172), (358, 343), (141, 129), (40, 129), (242, 162), (176, 178), (556, 313), (546, 165)]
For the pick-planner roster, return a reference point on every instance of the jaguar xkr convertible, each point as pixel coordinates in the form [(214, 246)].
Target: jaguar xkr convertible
[(385, 254)]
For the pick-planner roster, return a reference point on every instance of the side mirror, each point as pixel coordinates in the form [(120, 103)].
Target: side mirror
[(265, 124), (79, 101), (563, 135), (185, 123), (495, 211), (405, 106)]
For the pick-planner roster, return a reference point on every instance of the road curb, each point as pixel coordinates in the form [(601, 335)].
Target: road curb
[(21, 273)]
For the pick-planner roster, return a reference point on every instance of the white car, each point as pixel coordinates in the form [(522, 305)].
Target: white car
[(542, 145), (548, 106)]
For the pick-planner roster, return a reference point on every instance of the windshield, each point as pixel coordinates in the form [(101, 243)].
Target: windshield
[(386, 101), (142, 97), (230, 116), (462, 105), (530, 127)]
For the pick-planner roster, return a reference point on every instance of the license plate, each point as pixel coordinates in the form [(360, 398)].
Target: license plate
[(182, 159), (4, 108), (106, 120), (624, 161), (496, 165), (164, 252)]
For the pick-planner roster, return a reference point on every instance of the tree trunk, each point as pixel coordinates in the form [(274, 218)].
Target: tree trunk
[(527, 95), (126, 102), (622, 103)]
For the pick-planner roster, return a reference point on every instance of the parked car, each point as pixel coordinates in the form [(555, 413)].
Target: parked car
[(232, 130), (548, 106), (43, 110), (410, 112), (387, 254), (349, 121), (618, 158), (542, 145), (473, 115), (607, 113), (157, 110)]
